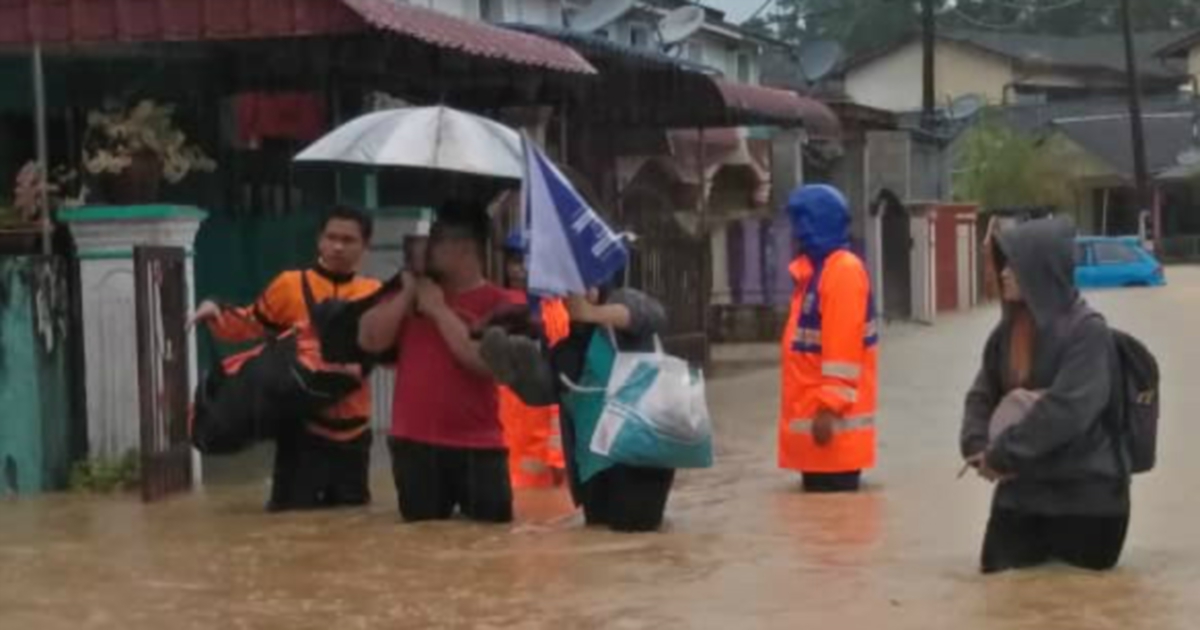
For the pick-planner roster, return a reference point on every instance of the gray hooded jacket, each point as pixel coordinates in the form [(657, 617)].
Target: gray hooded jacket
[(1061, 454)]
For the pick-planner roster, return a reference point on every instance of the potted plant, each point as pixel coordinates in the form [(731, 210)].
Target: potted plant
[(34, 193), (129, 152)]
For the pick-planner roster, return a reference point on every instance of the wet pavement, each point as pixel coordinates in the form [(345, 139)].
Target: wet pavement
[(743, 548)]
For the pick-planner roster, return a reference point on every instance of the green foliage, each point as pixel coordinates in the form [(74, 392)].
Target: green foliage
[(104, 475), (863, 25), (998, 166)]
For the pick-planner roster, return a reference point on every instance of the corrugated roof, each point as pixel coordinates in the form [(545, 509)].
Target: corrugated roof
[(819, 121), (1181, 45), (1104, 53), (1109, 139), (593, 44), (470, 36), (23, 22)]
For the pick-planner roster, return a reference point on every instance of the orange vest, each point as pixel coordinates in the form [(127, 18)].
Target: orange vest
[(282, 306), (532, 433), (829, 364)]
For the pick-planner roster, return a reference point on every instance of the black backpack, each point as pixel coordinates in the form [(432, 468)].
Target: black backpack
[(1138, 408)]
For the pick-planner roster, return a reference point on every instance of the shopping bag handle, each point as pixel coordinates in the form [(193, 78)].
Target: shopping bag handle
[(612, 337), (578, 389)]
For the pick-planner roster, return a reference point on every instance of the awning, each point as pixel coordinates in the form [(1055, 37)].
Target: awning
[(768, 104), (641, 86), (70, 22), (470, 36)]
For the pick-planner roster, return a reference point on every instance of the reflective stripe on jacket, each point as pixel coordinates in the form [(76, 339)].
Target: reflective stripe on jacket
[(829, 363)]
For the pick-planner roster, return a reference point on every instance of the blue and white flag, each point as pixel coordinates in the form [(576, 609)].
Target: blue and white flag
[(570, 246)]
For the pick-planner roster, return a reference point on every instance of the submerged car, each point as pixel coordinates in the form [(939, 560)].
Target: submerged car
[(1107, 262)]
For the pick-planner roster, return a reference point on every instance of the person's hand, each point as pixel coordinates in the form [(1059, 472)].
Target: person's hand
[(580, 309), (978, 461), (207, 311), (823, 428), (431, 299)]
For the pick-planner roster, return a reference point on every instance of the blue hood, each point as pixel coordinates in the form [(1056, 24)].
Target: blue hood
[(820, 220)]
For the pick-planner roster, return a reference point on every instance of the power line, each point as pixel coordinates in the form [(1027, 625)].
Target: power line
[(759, 11)]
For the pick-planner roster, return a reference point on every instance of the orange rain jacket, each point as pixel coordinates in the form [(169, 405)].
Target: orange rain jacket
[(532, 433), (281, 307), (829, 345)]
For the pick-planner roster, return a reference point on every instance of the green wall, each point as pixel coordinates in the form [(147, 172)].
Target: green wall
[(35, 390)]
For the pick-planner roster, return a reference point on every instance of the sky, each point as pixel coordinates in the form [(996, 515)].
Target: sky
[(736, 10)]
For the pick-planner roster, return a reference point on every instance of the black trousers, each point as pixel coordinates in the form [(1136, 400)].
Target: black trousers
[(832, 482), (314, 472), (1016, 540), (431, 481), (627, 499)]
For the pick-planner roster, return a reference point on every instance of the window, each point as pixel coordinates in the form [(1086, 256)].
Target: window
[(1081, 255), (1114, 253), (491, 10), (743, 68), (639, 37)]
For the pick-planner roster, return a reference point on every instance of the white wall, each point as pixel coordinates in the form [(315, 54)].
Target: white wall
[(893, 82), (1194, 62), (541, 12)]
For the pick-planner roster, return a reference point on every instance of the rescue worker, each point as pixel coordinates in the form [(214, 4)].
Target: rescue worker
[(533, 435), (323, 461), (827, 420)]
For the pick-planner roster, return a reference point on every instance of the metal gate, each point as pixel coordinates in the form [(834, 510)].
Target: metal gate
[(160, 274), (672, 266)]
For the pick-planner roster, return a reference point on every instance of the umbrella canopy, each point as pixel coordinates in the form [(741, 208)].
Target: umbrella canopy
[(427, 138)]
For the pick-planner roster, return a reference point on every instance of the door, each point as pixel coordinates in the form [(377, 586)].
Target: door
[(161, 290)]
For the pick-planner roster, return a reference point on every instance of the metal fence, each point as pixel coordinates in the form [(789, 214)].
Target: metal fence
[(1185, 248)]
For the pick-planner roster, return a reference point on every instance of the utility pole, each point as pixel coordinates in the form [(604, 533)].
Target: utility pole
[(928, 79), (1145, 199)]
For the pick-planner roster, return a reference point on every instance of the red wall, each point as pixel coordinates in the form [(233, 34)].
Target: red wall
[(946, 256)]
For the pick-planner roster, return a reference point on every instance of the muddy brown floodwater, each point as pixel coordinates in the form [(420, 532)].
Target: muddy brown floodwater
[(743, 549)]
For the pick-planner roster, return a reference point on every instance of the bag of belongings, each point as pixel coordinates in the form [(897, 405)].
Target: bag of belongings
[(291, 375)]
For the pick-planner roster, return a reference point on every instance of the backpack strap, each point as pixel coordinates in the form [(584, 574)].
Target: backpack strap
[(1114, 417), (306, 289)]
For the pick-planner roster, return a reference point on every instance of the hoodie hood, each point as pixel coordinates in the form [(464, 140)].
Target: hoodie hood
[(820, 220), (1042, 255)]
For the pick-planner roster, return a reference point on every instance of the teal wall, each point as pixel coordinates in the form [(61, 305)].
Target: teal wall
[(35, 390)]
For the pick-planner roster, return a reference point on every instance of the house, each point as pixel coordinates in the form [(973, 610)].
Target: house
[(1006, 68), (1186, 50)]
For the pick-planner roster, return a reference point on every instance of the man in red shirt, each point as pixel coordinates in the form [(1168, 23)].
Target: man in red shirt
[(446, 440)]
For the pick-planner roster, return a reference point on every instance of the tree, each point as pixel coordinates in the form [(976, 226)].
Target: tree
[(998, 166), (862, 25)]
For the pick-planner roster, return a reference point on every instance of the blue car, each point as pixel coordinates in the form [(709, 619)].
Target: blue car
[(1109, 262)]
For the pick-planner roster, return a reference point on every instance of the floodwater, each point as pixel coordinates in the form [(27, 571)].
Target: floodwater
[(743, 548)]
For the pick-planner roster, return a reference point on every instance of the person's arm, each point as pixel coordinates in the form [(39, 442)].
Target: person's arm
[(629, 311), (379, 326), (246, 323), (845, 295), (1076, 399), (520, 364), (981, 401), (431, 300)]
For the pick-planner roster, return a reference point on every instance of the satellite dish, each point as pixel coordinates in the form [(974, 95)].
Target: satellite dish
[(1188, 157), (965, 106), (818, 58), (680, 24), (600, 13)]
